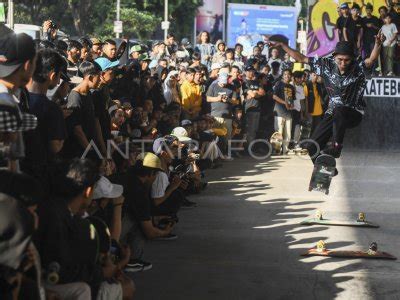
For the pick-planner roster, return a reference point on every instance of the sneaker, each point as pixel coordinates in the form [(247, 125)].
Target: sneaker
[(137, 265), (333, 150), (188, 204), (169, 237), (390, 74)]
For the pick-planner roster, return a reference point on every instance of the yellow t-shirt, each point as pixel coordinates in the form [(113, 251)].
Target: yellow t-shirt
[(317, 111)]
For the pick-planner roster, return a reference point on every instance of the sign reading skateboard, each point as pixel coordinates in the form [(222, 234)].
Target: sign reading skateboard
[(382, 87)]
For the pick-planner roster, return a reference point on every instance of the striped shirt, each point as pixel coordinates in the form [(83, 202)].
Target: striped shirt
[(343, 89)]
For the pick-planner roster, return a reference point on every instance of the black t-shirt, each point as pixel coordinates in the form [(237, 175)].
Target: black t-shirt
[(253, 103), (348, 23), (370, 32), (358, 25), (221, 109), (101, 99), (51, 126), (137, 202), (286, 92), (82, 115)]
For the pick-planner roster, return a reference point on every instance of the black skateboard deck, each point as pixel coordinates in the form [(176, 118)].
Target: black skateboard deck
[(324, 170)]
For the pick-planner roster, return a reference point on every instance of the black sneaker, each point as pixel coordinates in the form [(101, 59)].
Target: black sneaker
[(188, 204), (169, 237), (137, 265), (333, 150)]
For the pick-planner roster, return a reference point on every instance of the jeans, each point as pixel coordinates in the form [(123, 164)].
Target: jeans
[(284, 126), (252, 122)]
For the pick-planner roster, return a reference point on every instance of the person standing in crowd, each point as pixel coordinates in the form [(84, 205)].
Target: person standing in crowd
[(110, 49), (274, 57), (389, 30), (252, 93), (284, 96), (74, 55), (221, 94), (345, 24), (239, 57), (358, 27), (219, 56), (171, 44), (191, 96), (371, 26), (43, 144), (16, 70), (257, 55), (298, 104), (205, 48), (96, 47), (313, 91), (81, 124)]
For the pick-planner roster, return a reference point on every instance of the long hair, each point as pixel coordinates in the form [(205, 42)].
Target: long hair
[(199, 37)]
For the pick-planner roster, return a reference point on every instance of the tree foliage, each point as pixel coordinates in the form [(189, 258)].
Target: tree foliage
[(142, 18)]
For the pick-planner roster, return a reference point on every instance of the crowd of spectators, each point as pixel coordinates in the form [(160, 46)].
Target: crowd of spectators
[(100, 155), (361, 30)]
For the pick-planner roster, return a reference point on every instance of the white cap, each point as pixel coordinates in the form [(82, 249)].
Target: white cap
[(105, 189), (181, 134)]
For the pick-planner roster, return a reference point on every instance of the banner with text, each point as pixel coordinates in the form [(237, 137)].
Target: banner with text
[(383, 87)]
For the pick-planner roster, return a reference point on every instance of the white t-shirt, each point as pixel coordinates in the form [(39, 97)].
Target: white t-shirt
[(299, 96), (160, 185), (389, 31)]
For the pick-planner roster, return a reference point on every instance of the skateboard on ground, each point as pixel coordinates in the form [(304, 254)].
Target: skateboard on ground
[(276, 142), (324, 170), (372, 252), (319, 220)]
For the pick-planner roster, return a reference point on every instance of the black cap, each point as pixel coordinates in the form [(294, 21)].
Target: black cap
[(344, 48), (15, 49), (249, 68)]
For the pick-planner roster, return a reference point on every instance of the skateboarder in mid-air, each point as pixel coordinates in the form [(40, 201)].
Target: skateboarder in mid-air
[(344, 78)]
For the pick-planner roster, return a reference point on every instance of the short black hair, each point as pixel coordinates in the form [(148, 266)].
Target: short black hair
[(191, 71), (74, 44), (170, 35), (256, 47), (298, 74), (230, 50), (86, 42), (238, 45), (110, 41), (47, 60), (88, 68), (142, 171), (275, 64), (235, 67), (383, 7), (70, 179), (287, 70), (61, 45)]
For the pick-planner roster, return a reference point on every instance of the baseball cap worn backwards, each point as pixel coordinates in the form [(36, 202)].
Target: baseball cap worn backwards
[(106, 64), (15, 49)]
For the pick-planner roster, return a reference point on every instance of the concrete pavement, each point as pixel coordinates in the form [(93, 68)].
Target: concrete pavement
[(243, 240)]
